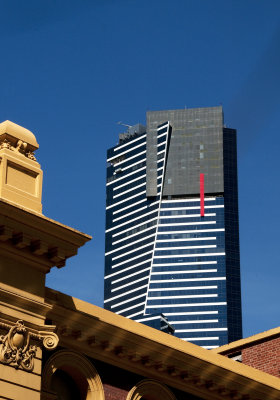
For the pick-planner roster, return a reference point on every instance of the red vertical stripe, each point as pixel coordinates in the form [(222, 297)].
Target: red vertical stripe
[(202, 195)]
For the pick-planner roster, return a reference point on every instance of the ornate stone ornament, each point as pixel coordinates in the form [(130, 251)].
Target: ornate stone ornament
[(15, 348), (50, 339), (19, 147)]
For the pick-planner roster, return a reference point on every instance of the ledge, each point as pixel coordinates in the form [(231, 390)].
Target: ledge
[(36, 236)]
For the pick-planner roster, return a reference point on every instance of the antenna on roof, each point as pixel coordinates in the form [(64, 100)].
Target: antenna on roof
[(120, 123)]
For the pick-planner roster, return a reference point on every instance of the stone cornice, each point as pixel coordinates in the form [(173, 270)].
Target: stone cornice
[(129, 345), (45, 242)]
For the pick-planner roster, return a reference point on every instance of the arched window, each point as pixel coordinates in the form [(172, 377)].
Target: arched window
[(65, 387), (149, 389), (71, 376)]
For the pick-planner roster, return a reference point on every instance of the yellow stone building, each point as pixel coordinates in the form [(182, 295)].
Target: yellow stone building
[(53, 346)]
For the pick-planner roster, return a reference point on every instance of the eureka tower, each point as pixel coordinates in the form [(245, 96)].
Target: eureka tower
[(172, 237)]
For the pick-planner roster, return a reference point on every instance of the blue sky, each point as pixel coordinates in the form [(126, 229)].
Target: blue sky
[(70, 70)]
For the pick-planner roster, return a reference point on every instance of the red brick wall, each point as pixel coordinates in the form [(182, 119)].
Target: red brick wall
[(113, 393), (264, 356)]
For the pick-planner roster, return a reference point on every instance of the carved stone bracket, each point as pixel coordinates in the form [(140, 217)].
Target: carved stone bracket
[(15, 347)]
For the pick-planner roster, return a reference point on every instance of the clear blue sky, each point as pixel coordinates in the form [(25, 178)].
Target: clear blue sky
[(70, 70)]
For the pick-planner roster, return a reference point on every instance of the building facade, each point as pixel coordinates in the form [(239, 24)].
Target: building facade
[(172, 241), (57, 347)]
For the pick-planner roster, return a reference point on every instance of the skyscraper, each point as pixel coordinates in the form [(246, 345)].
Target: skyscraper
[(172, 238)]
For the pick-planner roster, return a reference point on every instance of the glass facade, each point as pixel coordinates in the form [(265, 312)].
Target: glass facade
[(163, 255)]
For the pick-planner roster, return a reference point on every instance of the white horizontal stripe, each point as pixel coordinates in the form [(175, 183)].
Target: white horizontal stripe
[(127, 269), (190, 231), (209, 347), (130, 244), (129, 276), (129, 142), (136, 241), (159, 128), (183, 208), (181, 288), (189, 280), (188, 200), (195, 339), (191, 313), (192, 255), (131, 259), (189, 223), (185, 263), (195, 321), (128, 198), (134, 234), (134, 315), (207, 246), (126, 151), (125, 176), (132, 251), (125, 294), (133, 165), (136, 211), (130, 205), (158, 169), (130, 283), (134, 226), (160, 144), (185, 239), (161, 135), (128, 300), (129, 308), (193, 271), (129, 182), (202, 330), (185, 296), (186, 216), (129, 190), (160, 152), (147, 319), (186, 305), (131, 220), (130, 158), (130, 213)]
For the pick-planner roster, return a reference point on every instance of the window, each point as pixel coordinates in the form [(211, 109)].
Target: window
[(150, 390)]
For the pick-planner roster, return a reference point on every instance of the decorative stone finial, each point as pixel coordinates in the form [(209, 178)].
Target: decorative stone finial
[(13, 132)]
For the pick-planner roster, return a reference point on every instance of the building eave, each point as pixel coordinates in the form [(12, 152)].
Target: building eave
[(239, 344), (111, 338)]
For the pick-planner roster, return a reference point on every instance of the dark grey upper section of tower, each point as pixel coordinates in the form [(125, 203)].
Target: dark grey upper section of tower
[(195, 147)]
